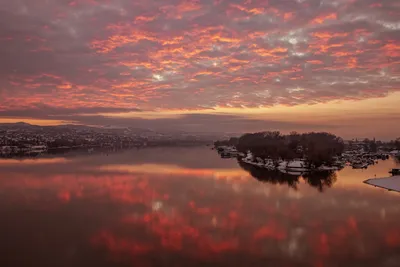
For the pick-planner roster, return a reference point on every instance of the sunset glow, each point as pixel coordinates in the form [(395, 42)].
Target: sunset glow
[(262, 65)]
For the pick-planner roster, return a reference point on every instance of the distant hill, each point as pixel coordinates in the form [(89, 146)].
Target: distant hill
[(110, 129), (27, 125), (75, 127), (17, 124)]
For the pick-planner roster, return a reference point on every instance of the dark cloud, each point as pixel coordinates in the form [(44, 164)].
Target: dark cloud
[(185, 54), (49, 112)]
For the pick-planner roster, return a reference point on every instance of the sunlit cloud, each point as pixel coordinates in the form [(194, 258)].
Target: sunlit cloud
[(10, 162), (196, 55)]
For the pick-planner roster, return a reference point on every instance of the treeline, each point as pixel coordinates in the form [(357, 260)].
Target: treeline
[(395, 143), (373, 145), (317, 147), (233, 141)]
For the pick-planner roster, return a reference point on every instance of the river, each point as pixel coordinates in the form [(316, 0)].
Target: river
[(188, 207)]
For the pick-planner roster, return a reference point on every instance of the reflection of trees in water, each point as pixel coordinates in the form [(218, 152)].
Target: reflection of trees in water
[(320, 180), (273, 177)]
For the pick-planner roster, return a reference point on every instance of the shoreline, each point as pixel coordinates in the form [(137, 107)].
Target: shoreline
[(391, 183)]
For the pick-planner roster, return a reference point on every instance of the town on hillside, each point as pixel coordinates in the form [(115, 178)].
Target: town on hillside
[(26, 140)]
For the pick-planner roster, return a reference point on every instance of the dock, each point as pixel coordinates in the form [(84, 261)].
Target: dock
[(391, 183)]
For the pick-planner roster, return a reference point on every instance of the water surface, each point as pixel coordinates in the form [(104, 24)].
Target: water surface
[(187, 207)]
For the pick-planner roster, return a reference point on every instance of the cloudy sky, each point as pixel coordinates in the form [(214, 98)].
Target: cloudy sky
[(205, 65)]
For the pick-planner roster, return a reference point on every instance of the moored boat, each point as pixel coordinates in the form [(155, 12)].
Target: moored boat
[(294, 165), (395, 171)]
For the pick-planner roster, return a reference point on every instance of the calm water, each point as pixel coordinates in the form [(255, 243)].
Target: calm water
[(187, 207)]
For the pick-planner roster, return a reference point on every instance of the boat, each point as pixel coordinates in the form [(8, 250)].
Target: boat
[(293, 173), (269, 164), (225, 155), (38, 149), (249, 158), (227, 152), (294, 165), (338, 164), (327, 168), (359, 165), (395, 171)]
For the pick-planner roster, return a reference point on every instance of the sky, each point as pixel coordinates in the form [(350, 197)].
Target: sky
[(203, 66)]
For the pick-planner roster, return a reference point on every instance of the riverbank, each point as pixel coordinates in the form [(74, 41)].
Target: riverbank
[(390, 183), (355, 159)]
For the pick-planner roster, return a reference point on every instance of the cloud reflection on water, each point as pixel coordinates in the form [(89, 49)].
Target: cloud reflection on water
[(169, 215)]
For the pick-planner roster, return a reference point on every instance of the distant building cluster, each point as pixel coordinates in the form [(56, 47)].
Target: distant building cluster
[(30, 139)]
